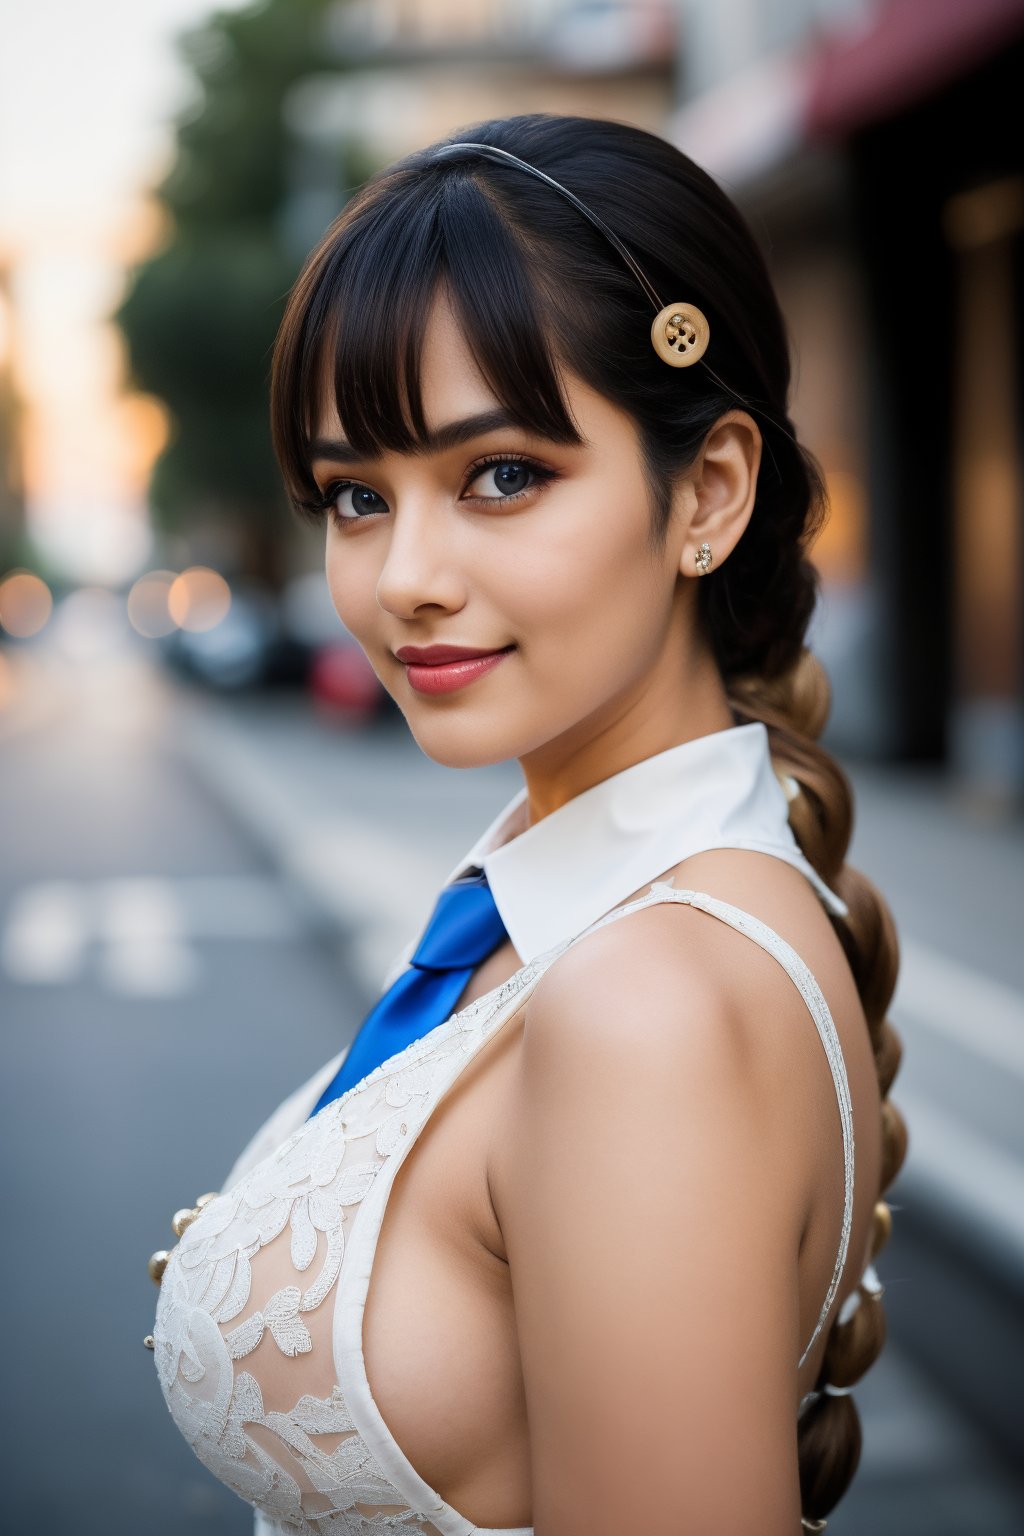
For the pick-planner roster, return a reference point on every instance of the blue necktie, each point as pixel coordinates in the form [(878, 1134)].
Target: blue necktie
[(464, 928)]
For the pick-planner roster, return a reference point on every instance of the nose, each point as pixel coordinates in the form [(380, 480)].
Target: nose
[(420, 567)]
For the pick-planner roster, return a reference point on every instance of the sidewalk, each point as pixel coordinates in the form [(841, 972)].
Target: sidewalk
[(366, 828)]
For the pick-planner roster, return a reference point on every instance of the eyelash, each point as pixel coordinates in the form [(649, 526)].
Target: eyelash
[(326, 504)]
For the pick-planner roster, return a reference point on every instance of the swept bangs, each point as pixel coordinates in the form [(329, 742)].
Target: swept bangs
[(354, 327)]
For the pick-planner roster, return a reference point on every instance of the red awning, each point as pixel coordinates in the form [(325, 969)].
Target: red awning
[(907, 50)]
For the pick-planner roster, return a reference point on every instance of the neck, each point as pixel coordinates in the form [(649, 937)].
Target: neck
[(676, 702)]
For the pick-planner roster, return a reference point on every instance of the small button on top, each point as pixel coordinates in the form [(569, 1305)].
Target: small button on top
[(680, 334)]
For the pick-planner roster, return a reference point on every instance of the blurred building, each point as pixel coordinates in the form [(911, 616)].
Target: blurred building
[(401, 73), (12, 501), (877, 147)]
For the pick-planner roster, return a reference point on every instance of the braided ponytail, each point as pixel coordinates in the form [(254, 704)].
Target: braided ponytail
[(794, 708)]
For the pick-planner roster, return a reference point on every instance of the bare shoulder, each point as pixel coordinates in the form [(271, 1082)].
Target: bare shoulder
[(780, 896), (669, 1192), (675, 1021), (686, 994), (644, 968), (652, 1216)]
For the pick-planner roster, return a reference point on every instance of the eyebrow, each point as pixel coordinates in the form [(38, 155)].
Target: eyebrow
[(451, 435)]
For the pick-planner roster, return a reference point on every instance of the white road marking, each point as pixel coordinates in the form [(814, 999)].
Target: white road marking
[(149, 967), (139, 926), (45, 936), (140, 932), (136, 910)]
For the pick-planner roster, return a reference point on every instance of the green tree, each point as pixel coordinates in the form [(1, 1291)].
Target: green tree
[(199, 316)]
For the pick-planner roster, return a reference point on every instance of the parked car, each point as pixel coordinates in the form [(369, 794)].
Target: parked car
[(340, 680), (249, 647)]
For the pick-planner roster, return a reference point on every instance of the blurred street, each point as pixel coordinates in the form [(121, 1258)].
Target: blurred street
[(153, 966), (184, 877)]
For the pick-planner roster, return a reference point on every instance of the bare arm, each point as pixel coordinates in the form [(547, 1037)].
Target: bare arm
[(652, 1216)]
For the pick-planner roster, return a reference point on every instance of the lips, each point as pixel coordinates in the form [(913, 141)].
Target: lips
[(440, 669), (439, 655)]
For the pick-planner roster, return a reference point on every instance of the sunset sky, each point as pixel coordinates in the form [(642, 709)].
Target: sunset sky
[(87, 92)]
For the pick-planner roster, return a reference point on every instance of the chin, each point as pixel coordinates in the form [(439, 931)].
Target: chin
[(463, 746), (469, 742)]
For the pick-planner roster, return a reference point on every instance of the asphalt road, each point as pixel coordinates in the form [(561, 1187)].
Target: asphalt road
[(160, 994)]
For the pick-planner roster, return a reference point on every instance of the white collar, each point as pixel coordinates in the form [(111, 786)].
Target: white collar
[(553, 879)]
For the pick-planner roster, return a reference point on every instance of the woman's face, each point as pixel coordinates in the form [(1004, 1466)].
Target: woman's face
[(506, 543)]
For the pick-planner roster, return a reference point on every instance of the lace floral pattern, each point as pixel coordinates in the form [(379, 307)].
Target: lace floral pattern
[(245, 1348), (306, 1466)]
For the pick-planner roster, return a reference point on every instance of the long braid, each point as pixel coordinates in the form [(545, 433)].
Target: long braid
[(794, 708)]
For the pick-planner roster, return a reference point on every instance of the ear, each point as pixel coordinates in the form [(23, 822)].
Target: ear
[(720, 490)]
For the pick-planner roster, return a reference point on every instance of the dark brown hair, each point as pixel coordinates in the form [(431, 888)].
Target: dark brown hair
[(537, 288)]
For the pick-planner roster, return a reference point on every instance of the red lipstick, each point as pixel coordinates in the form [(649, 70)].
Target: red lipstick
[(443, 668)]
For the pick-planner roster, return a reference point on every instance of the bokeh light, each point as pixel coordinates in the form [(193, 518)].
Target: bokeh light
[(25, 603), (148, 611), (199, 598)]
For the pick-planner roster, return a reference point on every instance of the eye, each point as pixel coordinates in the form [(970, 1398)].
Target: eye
[(347, 501), (511, 476)]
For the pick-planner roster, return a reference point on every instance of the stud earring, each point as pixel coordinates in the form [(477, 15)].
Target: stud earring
[(702, 558)]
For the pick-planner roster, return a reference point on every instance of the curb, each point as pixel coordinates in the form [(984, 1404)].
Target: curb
[(345, 877)]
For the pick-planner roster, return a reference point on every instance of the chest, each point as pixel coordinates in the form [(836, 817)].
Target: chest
[(439, 1323)]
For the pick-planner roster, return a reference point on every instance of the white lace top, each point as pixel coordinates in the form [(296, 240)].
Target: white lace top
[(259, 1321)]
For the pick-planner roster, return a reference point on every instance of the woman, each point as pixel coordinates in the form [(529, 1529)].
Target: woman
[(534, 383)]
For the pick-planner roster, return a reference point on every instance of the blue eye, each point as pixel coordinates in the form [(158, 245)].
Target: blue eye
[(364, 501), (511, 476)]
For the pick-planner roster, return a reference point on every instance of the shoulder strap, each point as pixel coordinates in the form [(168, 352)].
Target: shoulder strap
[(754, 928)]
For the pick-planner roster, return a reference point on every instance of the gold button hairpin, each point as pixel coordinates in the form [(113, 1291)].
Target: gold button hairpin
[(680, 333)]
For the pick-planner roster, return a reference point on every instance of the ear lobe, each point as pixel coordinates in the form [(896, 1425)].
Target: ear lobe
[(725, 489)]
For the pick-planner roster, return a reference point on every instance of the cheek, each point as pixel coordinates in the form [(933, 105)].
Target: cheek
[(352, 583), (593, 585)]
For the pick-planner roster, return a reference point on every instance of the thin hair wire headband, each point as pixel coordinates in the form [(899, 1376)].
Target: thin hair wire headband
[(680, 331), (524, 165)]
